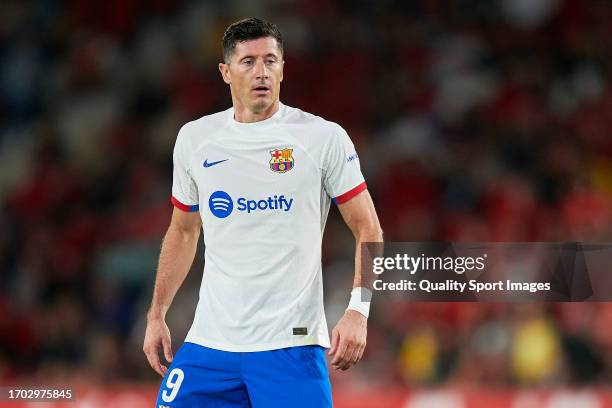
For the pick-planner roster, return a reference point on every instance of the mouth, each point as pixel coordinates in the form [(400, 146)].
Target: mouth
[(261, 90)]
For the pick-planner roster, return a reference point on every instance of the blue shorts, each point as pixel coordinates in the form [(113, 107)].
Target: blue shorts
[(203, 377)]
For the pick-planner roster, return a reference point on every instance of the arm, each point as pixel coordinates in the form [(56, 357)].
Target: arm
[(349, 335), (177, 253)]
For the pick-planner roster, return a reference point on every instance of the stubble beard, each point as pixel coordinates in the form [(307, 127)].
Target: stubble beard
[(261, 105)]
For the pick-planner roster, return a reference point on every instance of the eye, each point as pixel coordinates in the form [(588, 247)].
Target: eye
[(271, 61), (247, 61)]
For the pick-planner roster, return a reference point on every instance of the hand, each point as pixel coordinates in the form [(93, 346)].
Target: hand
[(157, 336), (348, 340)]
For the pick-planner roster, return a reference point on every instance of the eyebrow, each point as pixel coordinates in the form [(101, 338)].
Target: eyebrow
[(268, 55)]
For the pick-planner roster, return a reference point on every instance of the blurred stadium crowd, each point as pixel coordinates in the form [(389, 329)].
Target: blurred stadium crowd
[(474, 120)]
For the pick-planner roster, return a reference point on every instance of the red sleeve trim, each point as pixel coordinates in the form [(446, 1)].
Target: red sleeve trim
[(184, 207), (341, 199)]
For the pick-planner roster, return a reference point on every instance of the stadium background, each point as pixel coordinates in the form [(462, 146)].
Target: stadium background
[(474, 120)]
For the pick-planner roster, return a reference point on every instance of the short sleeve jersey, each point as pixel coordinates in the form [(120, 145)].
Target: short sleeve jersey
[(263, 191)]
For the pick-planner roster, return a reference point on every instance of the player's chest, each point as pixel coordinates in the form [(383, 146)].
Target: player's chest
[(274, 166)]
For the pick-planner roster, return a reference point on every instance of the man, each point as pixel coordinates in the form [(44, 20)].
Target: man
[(258, 178)]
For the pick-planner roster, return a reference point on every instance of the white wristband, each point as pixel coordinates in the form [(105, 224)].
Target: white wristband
[(360, 300)]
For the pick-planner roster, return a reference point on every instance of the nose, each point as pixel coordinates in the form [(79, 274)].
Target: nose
[(261, 71)]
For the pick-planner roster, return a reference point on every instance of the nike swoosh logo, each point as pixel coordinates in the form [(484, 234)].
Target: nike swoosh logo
[(207, 164)]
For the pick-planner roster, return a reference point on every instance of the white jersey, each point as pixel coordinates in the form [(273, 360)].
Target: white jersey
[(263, 191)]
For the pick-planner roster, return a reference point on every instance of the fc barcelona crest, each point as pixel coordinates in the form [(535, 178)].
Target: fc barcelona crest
[(281, 160)]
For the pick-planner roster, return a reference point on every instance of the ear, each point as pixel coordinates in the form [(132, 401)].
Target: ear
[(225, 73), (282, 69)]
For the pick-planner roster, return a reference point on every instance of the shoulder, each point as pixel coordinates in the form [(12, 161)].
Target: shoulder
[(316, 125), (205, 125)]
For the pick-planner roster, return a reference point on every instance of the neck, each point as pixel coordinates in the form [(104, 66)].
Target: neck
[(244, 115)]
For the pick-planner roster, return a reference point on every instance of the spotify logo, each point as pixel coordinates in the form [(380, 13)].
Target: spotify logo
[(220, 204)]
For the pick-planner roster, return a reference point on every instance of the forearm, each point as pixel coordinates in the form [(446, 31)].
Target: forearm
[(360, 216), (371, 233), (175, 259)]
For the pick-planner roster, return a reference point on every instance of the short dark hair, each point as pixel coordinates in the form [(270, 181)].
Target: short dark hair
[(249, 29)]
